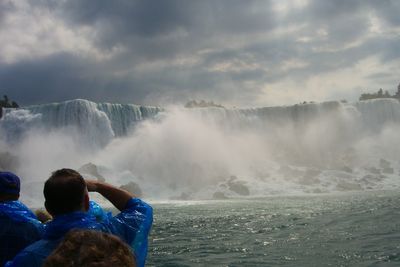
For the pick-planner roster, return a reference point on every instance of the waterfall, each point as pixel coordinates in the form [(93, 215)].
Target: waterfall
[(99, 123), (104, 121), (205, 152)]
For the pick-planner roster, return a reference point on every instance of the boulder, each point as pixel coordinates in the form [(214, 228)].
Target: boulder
[(91, 169), (133, 188), (219, 195), (347, 186), (310, 177), (347, 169), (183, 196), (373, 170), (384, 164), (238, 187), (388, 170)]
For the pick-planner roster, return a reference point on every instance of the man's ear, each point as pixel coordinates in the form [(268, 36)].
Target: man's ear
[(86, 201), (48, 208)]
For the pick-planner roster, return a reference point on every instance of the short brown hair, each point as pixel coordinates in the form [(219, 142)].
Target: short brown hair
[(88, 248), (64, 191)]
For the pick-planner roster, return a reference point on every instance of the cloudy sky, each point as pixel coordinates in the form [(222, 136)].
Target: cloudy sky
[(239, 53)]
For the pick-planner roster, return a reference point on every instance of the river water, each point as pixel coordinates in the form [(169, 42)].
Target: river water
[(357, 229)]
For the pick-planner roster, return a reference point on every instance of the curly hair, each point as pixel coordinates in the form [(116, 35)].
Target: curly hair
[(88, 248)]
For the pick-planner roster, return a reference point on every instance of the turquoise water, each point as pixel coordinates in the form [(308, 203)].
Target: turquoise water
[(361, 229)]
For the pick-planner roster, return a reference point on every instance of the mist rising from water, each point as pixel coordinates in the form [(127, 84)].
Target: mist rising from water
[(197, 152)]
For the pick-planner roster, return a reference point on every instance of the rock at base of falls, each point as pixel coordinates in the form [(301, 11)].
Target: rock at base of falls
[(133, 188), (91, 169), (219, 195), (238, 187)]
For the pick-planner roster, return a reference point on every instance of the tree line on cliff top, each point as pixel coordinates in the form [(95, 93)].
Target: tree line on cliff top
[(364, 96), (7, 103), (381, 94)]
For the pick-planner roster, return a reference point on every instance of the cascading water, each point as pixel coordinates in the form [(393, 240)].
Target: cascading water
[(99, 123), (210, 152)]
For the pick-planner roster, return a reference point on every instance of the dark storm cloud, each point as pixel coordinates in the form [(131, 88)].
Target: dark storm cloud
[(388, 10), (154, 29), (64, 76), (54, 78), (152, 17), (226, 44), (5, 8)]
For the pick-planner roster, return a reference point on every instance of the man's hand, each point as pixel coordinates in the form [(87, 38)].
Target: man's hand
[(91, 185), (117, 196)]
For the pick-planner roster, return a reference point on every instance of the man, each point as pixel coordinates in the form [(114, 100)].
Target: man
[(19, 227), (67, 200)]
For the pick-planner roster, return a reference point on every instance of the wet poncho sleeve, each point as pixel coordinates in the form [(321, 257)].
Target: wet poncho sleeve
[(133, 225)]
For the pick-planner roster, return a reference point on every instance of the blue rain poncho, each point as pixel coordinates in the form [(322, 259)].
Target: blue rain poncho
[(19, 228), (132, 225)]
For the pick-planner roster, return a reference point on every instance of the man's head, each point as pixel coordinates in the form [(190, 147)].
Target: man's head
[(9, 186), (64, 192)]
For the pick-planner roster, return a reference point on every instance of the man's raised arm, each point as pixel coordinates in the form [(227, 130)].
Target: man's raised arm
[(117, 196), (133, 223)]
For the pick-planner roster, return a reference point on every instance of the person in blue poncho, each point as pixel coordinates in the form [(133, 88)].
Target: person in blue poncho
[(19, 227), (67, 200)]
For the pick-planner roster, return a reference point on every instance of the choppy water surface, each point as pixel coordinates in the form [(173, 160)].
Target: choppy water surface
[(360, 229)]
